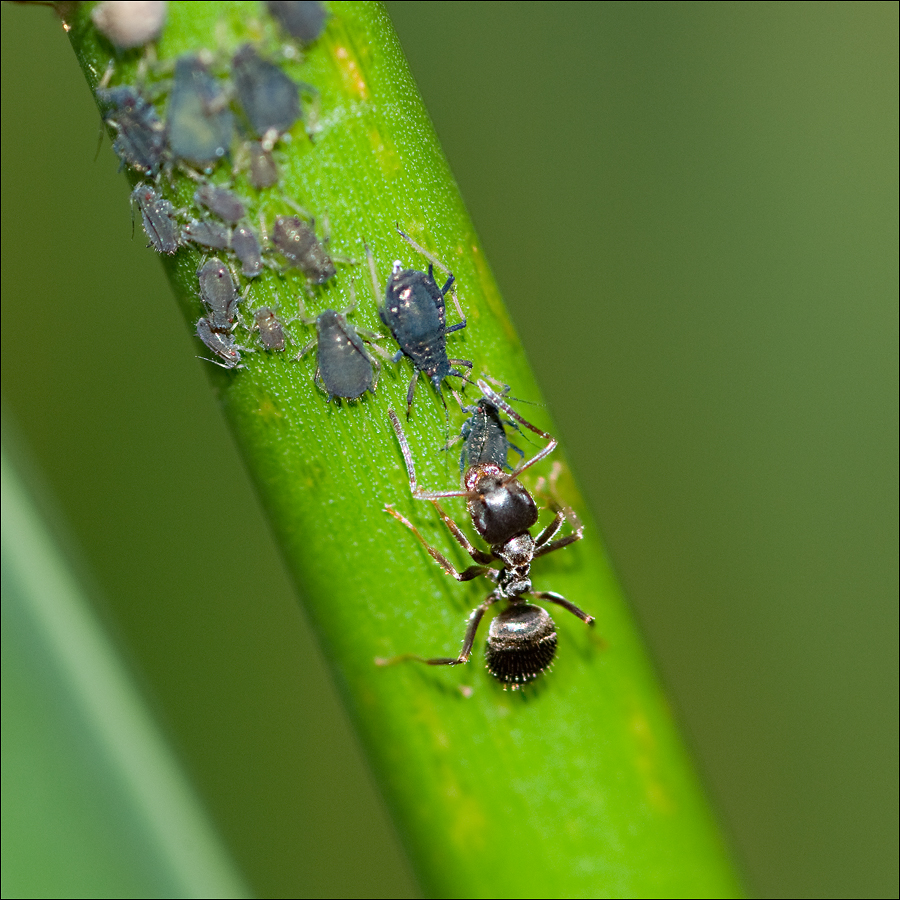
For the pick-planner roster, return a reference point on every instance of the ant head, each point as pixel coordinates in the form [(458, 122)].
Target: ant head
[(521, 644)]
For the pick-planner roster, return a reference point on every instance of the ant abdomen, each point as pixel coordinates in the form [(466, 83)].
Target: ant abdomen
[(521, 644)]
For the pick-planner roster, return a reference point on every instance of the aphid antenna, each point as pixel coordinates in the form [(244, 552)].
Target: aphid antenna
[(436, 262), (376, 290), (222, 365), (303, 213), (100, 136), (504, 390), (103, 83)]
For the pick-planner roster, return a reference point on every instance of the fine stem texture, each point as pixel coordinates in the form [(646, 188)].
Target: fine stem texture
[(576, 786)]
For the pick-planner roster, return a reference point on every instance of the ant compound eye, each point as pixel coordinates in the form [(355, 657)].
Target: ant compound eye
[(521, 644)]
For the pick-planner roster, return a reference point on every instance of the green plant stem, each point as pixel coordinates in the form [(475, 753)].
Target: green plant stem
[(579, 786)]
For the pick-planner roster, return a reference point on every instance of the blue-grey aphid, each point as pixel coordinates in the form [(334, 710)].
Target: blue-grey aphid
[(415, 312), (198, 119), (140, 140), (484, 437), (303, 20), (221, 343), (296, 241), (206, 233), (221, 202), (263, 169), (245, 246), (270, 328), (270, 99), (158, 217), (219, 295), (344, 367)]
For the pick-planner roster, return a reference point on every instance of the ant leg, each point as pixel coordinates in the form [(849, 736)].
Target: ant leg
[(437, 556), (478, 555), (497, 400), (475, 618), (565, 604), (551, 529), (562, 514), (415, 490)]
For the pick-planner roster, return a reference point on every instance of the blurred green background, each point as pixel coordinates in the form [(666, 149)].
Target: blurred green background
[(691, 209)]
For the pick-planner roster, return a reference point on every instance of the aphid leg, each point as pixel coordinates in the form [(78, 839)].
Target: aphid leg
[(498, 401), (437, 556), (302, 315), (371, 337), (417, 492), (411, 393), (352, 306), (306, 350), (465, 363), (559, 600)]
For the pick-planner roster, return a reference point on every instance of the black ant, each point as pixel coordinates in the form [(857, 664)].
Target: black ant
[(521, 642)]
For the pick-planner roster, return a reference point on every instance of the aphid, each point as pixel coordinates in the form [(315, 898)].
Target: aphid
[(199, 122), (158, 216), (270, 328), (344, 367), (140, 134), (129, 24), (246, 248), (263, 170), (296, 241), (220, 202), (414, 311), (521, 640), (206, 233), (219, 295), (301, 19), (222, 344), (484, 437), (269, 98)]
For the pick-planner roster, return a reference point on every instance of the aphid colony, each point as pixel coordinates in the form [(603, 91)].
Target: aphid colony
[(258, 105)]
